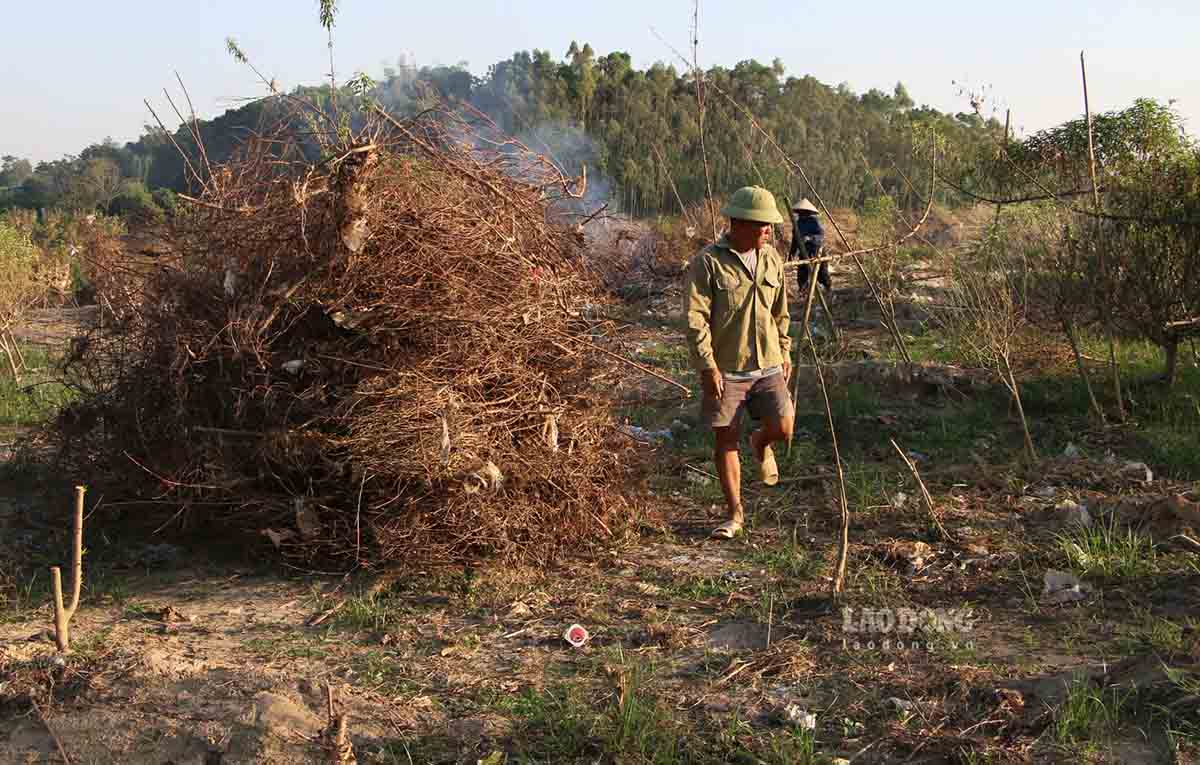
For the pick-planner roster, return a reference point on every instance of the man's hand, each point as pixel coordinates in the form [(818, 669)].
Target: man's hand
[(787, 372), (713, 383)]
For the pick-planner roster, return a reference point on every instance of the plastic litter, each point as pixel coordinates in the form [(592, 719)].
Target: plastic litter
[(1070, 512), (576, 635), (1063, 587), (641, 434), (800, 717), (1137, 471)]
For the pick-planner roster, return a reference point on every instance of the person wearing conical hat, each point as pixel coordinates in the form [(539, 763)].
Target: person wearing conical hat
[(736, 307), (807, 239)]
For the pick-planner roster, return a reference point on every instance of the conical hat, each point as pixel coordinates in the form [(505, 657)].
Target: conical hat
[(805, 206)]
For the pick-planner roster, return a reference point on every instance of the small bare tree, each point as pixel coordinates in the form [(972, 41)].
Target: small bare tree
[(1153, 248), (20, 288), (985, 313), (62, 615)]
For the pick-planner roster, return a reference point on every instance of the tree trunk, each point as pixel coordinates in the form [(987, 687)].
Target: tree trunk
[(1172, 351)]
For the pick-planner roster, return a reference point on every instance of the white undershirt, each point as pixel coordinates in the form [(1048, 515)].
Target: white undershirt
[(750, 258)]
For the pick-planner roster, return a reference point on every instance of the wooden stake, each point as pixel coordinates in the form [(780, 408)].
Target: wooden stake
[(341, 750), (770, 616), (62, 615)]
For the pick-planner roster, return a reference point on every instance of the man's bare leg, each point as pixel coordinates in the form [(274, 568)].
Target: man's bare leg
[(729, 471), (773, 430)]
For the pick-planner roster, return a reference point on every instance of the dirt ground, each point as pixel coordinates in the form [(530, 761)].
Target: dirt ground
[(944, 647)]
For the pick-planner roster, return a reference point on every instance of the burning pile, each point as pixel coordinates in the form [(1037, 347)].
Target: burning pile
[(384, 355)]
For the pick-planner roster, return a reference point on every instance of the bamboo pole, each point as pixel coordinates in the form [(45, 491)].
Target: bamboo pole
[(699, 75), (1007, 127), (839, 575), (1112, 346)]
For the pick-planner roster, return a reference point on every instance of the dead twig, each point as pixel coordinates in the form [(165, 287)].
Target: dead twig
[(324, 615), (924, 492), (631, 363)]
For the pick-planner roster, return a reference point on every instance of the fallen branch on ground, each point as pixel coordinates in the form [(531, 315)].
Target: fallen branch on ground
[(924, 492)]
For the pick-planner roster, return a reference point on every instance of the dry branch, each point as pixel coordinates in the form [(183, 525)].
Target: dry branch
[(337, 739), (325, 315), (937, 522)]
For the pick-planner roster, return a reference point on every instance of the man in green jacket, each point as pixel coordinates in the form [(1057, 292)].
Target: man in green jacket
[(737, 316)]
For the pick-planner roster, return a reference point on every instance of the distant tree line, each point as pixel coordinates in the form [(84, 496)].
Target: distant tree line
[(638, 131)]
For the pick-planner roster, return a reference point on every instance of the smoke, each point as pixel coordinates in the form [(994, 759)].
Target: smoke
[(566, 146), (573, 152)]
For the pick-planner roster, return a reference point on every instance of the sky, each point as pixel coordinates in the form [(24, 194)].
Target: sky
[(76, 72)]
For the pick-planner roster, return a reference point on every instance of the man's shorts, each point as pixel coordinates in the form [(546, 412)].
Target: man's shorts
[(765, 398)]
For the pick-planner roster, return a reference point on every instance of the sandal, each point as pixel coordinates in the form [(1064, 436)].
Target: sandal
[(727, 530), (769, 468)]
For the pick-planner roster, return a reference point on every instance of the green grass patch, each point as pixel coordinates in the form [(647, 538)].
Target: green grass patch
[(555, 724), (876, 584), (1089, 713), (37, 396), (285, 647), (791, 560), (926, 347), (381, 672), (953, 431), (1107, 550), (561, 723), (396, 605), (702, 587), (1160, 635), (1168, 420), (1181, 721)]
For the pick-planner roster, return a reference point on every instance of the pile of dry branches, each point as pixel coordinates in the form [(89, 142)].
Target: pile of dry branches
[(380, 354)]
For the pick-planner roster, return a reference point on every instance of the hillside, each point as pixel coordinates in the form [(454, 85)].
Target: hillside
[(638, 131)]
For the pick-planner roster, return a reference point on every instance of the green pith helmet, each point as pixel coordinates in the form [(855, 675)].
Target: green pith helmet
[(752, 203)]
